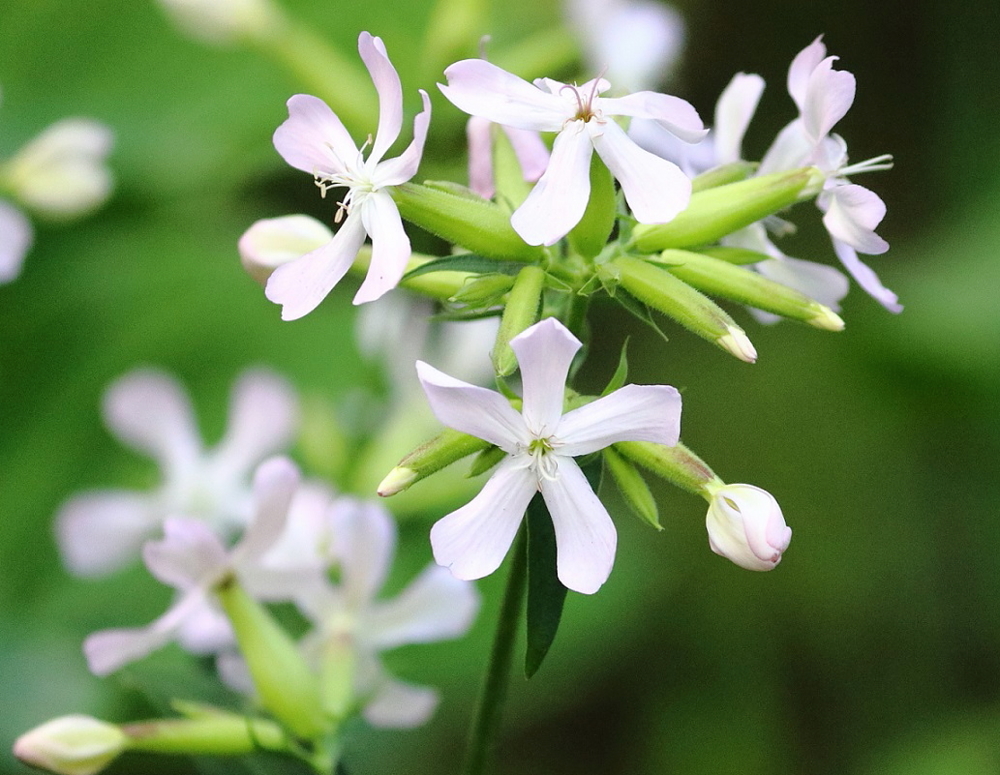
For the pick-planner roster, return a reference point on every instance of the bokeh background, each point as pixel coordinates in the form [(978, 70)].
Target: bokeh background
[(873, 648)]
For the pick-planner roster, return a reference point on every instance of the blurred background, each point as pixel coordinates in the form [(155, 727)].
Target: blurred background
[(873, 648)]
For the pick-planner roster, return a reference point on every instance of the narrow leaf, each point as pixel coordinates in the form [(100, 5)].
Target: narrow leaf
[(546, 594), (621, 373), (633, 487), (639, 310), (465, 262)]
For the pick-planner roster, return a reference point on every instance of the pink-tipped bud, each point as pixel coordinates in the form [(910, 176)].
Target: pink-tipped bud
[(746, 525)]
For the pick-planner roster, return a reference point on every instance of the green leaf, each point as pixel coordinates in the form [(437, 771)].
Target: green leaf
[(633, 487), (546, 594), (621, 373), (465, 262)]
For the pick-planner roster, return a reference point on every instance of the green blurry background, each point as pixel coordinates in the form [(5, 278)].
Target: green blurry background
[(874, 648)]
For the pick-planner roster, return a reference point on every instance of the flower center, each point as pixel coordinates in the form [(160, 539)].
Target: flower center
[(355, 178), (585, 102), (543, 463)]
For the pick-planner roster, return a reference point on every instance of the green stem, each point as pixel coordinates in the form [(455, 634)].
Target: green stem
[(486, 724)]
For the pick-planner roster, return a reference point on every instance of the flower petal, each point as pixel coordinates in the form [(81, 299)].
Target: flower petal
[(149, 411), (585, 535), (313, 139), (205, 630), (274, 486), (736, 106), (188, 555), (479, 137), (15, 242), (390, 93), (101, 532), (392, 172), (852, 213), (263, 414), (531, 152), (399, 705), (829, 96), (477, 411), (364, 541), (791, 148), (483, 89), (473, 540), (544, 351), (656, 190), (557, 202), (801, 68), (632, 413), (390, 247), (672, 113), (817, 281), (866, 277), (271, 242), (301, 285), (435, 606)]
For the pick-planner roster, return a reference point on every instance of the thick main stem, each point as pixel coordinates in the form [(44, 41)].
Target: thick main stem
[(486, 723)]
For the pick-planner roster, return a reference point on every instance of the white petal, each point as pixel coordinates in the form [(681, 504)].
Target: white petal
[(390, 93), (390, 247), (672, 113), (640, 42), (792, 148), (802, 67), (364, 541), (263, 414), (817, 281), (234, 673), (866, 277), (829, 96), (585, 535), (392, 172), (531, 152), (274, 485), (399, 705), (271, 242), (852, 214), (477, 411), (305, 541), (435, 606), (544, 351), (736, 106), (150, 411), (479, 136), (189, 554), (557, 202), (16, 237), (473, 540), (483, 89), (101, 532), (632, 413), (301, 285), (313, 139), (655, 189), (205, 630)]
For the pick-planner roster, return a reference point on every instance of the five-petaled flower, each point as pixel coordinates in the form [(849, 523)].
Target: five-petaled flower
[(655, 189), (314, 140), (541, 443)]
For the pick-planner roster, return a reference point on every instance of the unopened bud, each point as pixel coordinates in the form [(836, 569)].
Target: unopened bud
[(271, 242), (745, 524), (71, 745), (223, 21), (738, 343), (430, 457)]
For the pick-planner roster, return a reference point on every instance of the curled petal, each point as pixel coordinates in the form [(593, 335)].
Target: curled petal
[(392, 172), (801, 68), (301, 285), (390, 93), (483, 89), (531, 152), (399, 705), (852, 213), (479, 136), (435, 606), (313, 139), (656, 189), (390, 247), (544, 352), (470, 409), (472, 541), (585, 535), (632, 413), (672, 113), (557, 202), (364, 541), (15, 242), (736, 106), (866, 277), (745, 524), (829, 96)]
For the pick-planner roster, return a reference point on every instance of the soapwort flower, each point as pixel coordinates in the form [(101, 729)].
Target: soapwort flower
[(102, 530), (541, 443), (314, 140), (745, 525), (655, 189)]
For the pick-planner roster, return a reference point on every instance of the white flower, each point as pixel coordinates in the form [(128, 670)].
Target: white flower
[(541, 443), (71, 745), (222, 21), (192, 559), (102, 530), (528, 147), (314, 140), (16, 236), (655, 189), (434, 607), (745, 524)]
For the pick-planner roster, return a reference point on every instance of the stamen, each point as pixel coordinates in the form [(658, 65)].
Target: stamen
[(876, 164)]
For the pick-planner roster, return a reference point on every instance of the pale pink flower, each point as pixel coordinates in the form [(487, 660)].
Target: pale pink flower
[(541, 443), (314, 140), (745, 524)]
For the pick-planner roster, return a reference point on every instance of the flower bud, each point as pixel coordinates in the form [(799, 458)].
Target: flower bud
[(71, 745), (430, 457), (520, 313), (271, 242), (222, 21), (745, 524), (61, 173)]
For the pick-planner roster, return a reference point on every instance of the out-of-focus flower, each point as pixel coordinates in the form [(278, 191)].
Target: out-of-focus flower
[(223, 21), (71, 745), (314, 140), (745, 525), (102, 530), (192, 559), (60, 174), (541, 443), (635, 43), (528, 147), (655, 189)]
